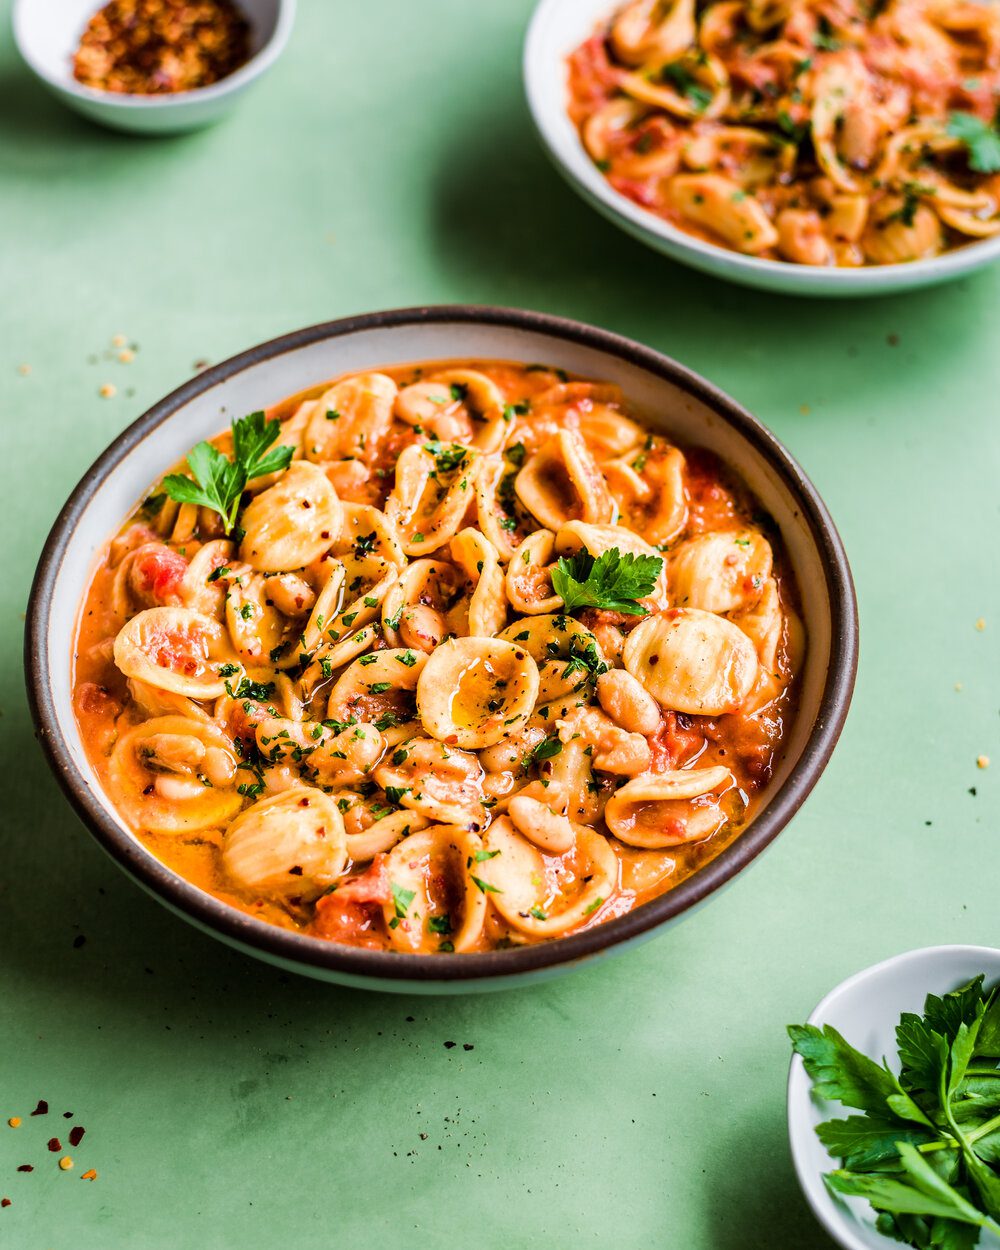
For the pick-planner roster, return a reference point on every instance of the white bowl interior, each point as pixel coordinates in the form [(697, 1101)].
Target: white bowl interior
[(48, 32), (680, 415), (559, 26), (866, 1009)]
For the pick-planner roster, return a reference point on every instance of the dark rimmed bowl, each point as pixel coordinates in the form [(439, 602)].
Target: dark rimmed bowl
[(691, 410)]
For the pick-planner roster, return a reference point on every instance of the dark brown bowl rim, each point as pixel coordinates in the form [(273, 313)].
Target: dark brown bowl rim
[(294, 948)]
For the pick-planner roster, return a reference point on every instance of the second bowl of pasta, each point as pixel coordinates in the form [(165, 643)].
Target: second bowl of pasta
[(478, 644), (803, 148)]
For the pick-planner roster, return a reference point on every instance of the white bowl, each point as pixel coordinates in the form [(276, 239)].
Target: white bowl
[(559, 26), (47, 34), (866, 1009)]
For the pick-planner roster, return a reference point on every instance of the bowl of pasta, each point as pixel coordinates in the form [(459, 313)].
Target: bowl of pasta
[(479, 645), (794, 147)]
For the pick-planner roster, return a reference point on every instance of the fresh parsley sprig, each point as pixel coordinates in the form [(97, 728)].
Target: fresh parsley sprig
[(980, 138), (219, 482), (612, 581), (926, 1150)]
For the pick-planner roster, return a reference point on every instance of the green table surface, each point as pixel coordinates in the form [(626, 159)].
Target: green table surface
[(387, 160)]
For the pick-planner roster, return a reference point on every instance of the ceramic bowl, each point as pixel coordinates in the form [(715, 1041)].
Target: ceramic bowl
[(559, 26), (866, 1009), (687, 407), (47, 33)]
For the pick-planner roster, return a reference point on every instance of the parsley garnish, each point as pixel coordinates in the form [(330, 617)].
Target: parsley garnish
[(439, 924), (924, 1152), (447, 456), (219, 482), (980, 138), (485, 886), (402, 899), (613, 581), (685, 83)]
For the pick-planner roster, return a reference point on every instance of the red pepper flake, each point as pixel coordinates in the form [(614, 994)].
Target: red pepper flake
[(89, 1175), (4, 1202), (76, 1135), (42, 1108), (67, 1115), (156, 47), (25, 1167), (55, 1144)]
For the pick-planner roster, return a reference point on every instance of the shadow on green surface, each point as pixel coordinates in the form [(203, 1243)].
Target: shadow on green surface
[(35, 127)]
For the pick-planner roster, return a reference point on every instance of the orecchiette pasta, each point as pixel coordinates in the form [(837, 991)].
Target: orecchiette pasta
[(460, 666), (820, 135)]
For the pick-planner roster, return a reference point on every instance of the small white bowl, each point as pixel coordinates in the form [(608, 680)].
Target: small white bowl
[(559, 26), (866, 1009), (47, 34)]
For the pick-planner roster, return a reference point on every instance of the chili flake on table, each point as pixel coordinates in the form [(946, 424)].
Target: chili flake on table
[(155, 47)]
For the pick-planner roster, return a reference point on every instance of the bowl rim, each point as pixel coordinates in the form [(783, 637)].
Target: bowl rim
[(798, 1089), (580, 171), (289, 946), (259, 61)]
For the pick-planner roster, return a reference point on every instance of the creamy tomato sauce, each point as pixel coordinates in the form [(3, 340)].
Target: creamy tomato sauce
[(481, 660)]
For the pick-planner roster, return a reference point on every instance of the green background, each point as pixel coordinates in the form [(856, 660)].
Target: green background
[(388, 159)]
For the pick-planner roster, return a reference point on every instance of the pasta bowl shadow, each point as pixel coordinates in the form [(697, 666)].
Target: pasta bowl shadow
[(670, 398)]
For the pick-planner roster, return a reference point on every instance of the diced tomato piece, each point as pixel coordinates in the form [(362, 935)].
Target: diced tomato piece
[(156, 575), (353, 912), (677, 740)]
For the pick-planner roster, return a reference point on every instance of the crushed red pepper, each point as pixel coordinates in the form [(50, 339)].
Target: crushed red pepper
[(42, 1108), (159, 47), (55, 1144), (76, 1135)]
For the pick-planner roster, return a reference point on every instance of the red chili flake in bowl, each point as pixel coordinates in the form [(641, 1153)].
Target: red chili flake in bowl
[(42, 1108), (76, 1135), (158, 47), (55, 1144)]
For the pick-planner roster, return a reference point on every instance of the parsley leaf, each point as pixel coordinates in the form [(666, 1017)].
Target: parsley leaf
[(613, 581), (980, 138), (924, 1152), (219, 482)]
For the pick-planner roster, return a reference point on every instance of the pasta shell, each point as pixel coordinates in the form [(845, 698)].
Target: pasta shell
[(561, 482), (474, 691), (175, 649), (427, 505), (293, 522), (485, 612), (351, 419), (197, 591), (175, 749), (383, 834), (482, 400), (440, 782), (545, 896), (498, 510), (291, 844), (430, 872), (555, 637), (529, 576), (721, 571), (665, 515), (377, 688), (888, 238), (720, 205), (414, 611), (670, 808), (651, 30), (692, 661), (255, 626), (657, 88)]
